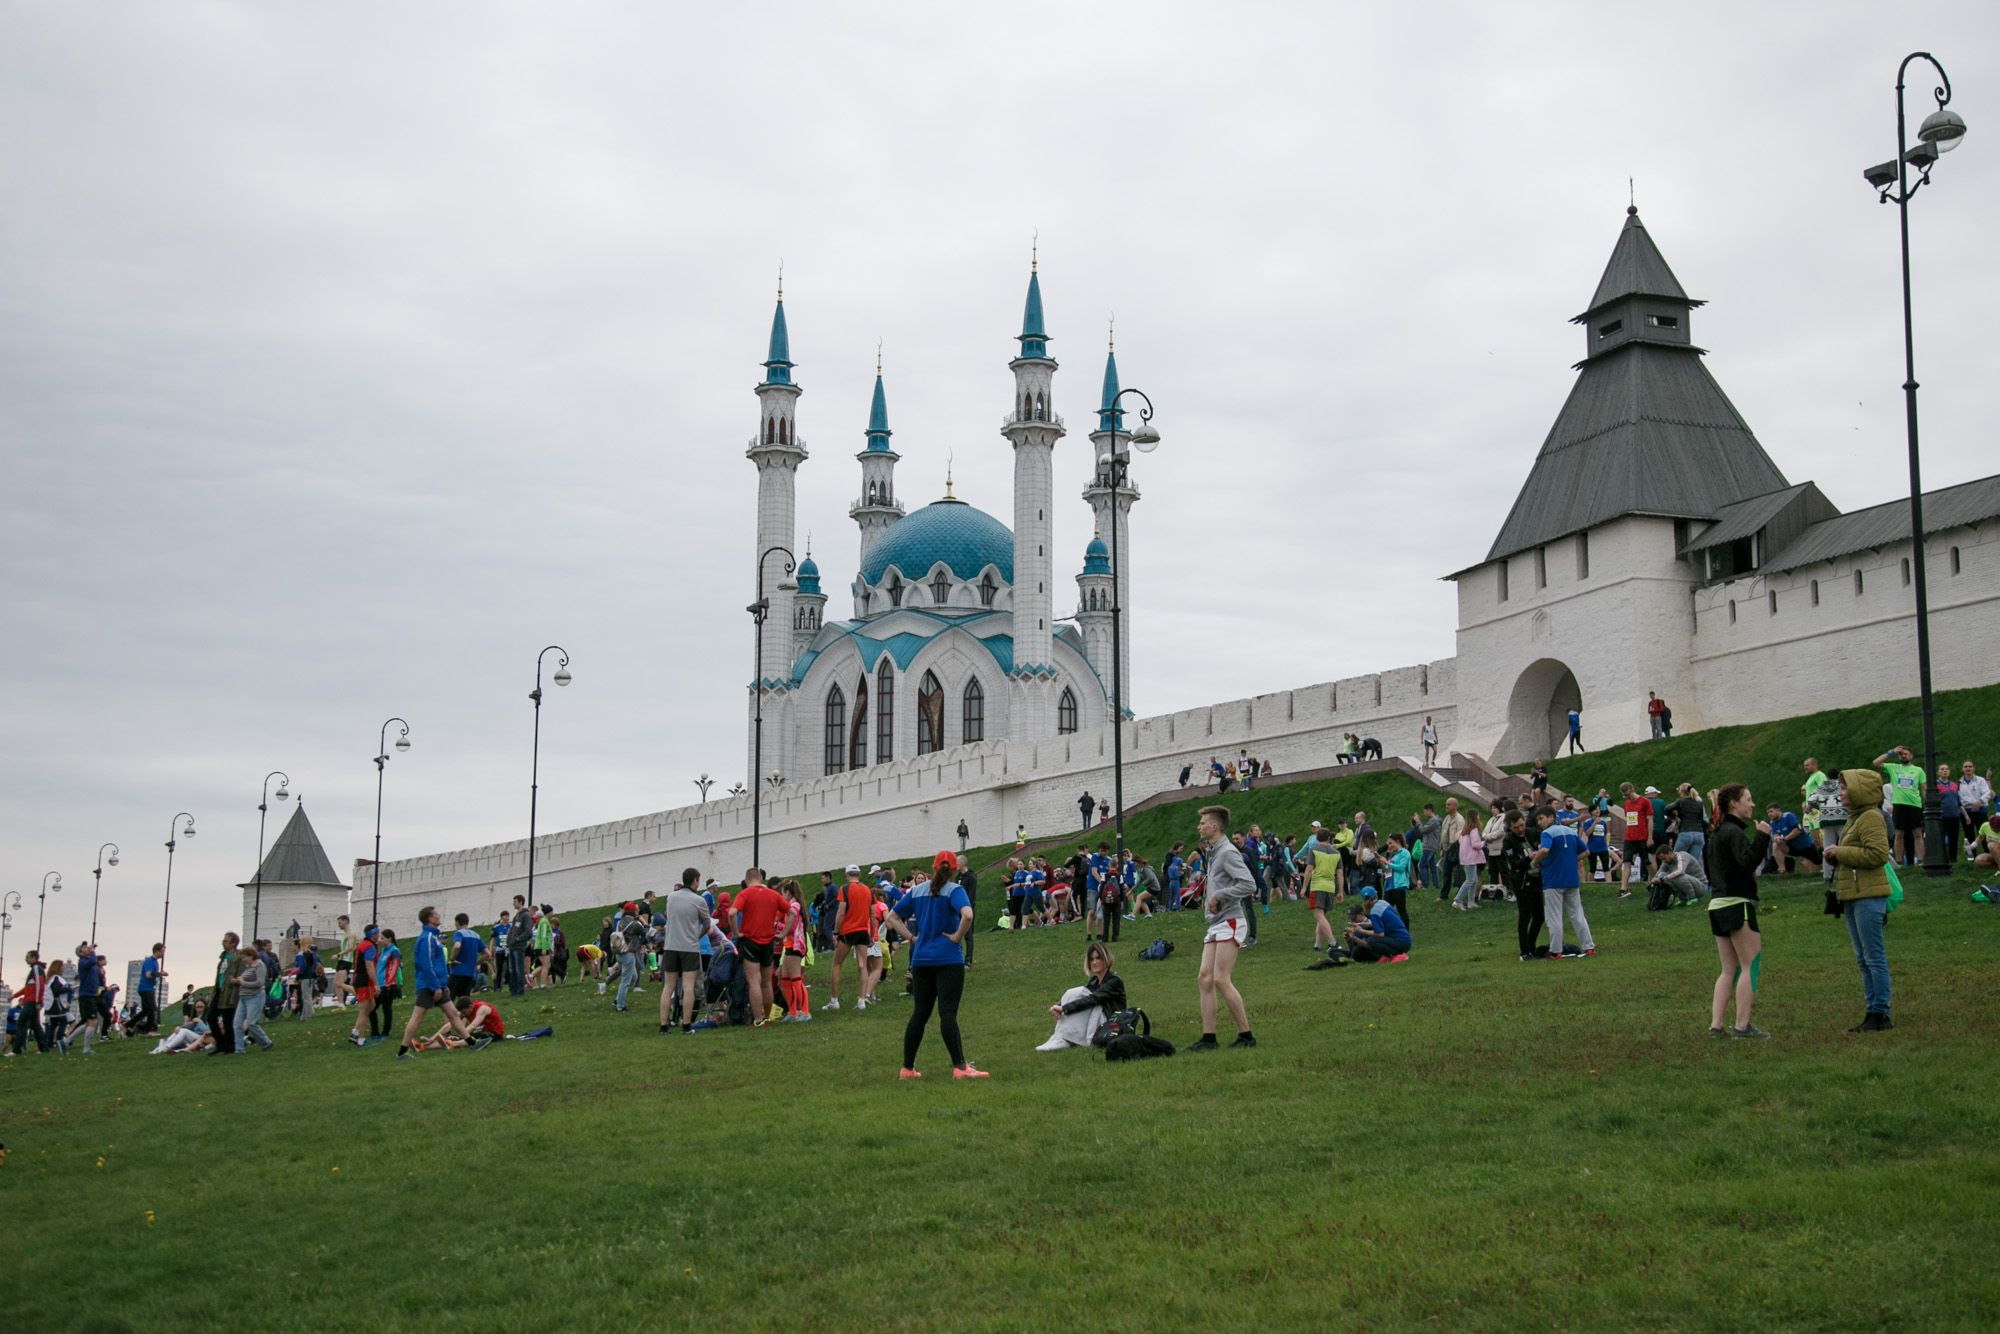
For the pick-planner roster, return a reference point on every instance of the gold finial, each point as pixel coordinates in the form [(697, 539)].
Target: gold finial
[(1035, 250), (781, 282), (947, 475)]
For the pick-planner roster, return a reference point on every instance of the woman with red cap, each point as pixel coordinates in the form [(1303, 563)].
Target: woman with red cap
[(934, 917)]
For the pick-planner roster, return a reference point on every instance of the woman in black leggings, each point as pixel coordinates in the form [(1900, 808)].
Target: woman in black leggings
[(934, 918)]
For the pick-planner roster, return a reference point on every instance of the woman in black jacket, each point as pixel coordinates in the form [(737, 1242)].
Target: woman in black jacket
[(1516, 870), (1733, 858), (1083, 1008)]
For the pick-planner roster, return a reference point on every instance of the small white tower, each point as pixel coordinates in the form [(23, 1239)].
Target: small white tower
[(1033, 428), (1111, 435), (877, 507), (1093, 607), (808, 605), (777, 451)]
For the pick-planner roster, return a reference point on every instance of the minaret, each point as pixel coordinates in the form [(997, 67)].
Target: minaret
[(877, 506), (809, 605), (1093, 607), (1033, 429), (777, 451), (1110, 434)]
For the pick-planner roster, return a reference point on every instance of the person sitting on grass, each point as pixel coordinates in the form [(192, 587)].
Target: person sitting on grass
[(192, 1035), (1376, 934), (1083, 1008), (1985, 847), (481, 1019)]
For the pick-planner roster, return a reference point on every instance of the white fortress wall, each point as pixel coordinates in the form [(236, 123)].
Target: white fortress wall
[(910, 808), (1851, 647)]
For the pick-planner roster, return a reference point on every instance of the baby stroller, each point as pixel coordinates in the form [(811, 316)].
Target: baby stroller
[(725, 992)]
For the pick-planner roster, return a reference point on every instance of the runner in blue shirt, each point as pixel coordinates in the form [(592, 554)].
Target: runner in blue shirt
[(935, 917), (431, 994), (466, 947), (1593, 832), (1556, 858), (151, 973), (1788, 836)]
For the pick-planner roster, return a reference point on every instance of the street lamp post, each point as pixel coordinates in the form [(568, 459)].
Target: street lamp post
[(562, 678), (704, 783), (1941, 132), (98, 888), (1112, 475), (174, 830), (758, 611), (264, 804), (42, 914), (7, 907), (381, 767)]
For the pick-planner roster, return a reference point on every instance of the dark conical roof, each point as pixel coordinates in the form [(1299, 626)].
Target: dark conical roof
[(1646, 430), (296, 858), (1636, 267)]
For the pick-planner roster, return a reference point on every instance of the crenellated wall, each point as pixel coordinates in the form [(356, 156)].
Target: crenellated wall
[(911, 807)]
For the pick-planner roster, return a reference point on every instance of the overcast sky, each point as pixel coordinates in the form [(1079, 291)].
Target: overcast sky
[(349, 354)]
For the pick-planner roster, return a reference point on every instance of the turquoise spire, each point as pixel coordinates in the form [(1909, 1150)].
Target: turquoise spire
[(1110, 417), (878, 419), (808, 574), (1034, 337), (1097, 557), (778, 365)]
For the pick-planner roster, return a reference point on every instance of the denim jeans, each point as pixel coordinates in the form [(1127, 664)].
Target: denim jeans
[(249, 1026), (517, 970), (1864, 929), (1427, 869), (1691, 842), (628, 975)]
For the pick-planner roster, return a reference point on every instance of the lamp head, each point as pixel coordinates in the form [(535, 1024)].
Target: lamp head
[(284, 793), (402, 743), (189, 831), (1942, 128), (1882, 175), (1145, 439), (788, 585), (562, 676), (114, 859)]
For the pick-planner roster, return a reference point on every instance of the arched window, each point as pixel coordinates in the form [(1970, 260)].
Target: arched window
[(857, 731), (1066, 713), (930, 715), (784, 431), (1027, 407), (885, 712), (836, 730), (975, 714), (770, 430), (895, 591), (986, 591), (940, 588), (1041, 408)]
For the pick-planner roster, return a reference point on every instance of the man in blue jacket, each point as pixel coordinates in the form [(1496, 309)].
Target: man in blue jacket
[(433, 981)]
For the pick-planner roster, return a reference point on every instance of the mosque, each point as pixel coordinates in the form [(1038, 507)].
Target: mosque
[(1654, 547), (954, 637)]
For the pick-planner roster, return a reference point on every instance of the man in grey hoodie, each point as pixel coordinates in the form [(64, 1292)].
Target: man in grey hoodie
[(688, 920), (1227, 901)]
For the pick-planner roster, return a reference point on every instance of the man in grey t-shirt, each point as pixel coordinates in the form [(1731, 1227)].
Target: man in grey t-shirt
[(688, 921), (1228, 905)]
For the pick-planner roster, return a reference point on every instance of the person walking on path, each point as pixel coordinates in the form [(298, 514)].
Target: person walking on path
[(1085, 804), (1228, 906), (1575, 731), (1861, 887), (1556, 859), (964, 834), (935, 916), (1428, 739), (1733, 859), (688, 923)]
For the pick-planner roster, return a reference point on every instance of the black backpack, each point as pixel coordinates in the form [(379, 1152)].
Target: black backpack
[(1156, 951), (1119, 1024), (1134, 1040), (1659, 898)]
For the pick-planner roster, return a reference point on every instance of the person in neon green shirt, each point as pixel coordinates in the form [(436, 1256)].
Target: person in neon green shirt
[(1814, 778), (1905, 782)]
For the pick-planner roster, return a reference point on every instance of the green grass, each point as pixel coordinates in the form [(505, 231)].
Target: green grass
[(1769, 756), (1462, 1142)]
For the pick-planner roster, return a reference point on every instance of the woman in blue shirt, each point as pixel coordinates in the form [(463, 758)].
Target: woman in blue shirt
[(934, 918)]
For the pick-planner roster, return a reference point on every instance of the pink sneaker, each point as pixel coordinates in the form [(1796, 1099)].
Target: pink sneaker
[(967, 1072), (907, 1073), (1400, 958)]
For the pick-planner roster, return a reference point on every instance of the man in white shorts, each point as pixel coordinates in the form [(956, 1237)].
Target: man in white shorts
[(1230, 890)]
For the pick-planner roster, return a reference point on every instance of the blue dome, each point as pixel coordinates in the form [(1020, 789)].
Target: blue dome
[(965, 539), (808, 576), (1097, 557)]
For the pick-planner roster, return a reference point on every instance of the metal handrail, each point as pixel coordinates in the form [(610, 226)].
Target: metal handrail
[(1025, 419)]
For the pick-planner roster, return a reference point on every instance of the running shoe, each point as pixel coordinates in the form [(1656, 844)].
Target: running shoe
[(1748, 1031), (1588, 953), (485, 1041), (1624, 893), (967, 1071), (861, 1005), (1723, 1032), (1400, 958), (403, 1056), (1243, 1040), (907, 1073), (1206, 1044), (833, 1004)]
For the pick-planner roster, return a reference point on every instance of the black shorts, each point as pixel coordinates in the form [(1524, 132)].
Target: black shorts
[(1322, 902), (86, 1009), (757, 952), (421, 999), (1909, 819), (1728, 921), (680, 961), (795, 954), (1017, 904), (460, 987), (855, 939)]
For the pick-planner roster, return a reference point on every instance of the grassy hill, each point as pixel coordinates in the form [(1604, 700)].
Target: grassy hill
[(1768, 756)]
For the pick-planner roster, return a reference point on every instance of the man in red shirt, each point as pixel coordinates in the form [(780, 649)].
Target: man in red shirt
[(481, 1020), (853, 933), (1638, 835), (1656, 709), (758, 911)]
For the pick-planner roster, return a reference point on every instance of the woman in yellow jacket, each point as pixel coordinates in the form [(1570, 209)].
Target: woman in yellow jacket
[(1862, 887)]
